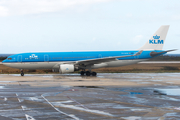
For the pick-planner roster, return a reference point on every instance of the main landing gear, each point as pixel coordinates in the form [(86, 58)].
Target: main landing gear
[(88, 73), (22, 73)]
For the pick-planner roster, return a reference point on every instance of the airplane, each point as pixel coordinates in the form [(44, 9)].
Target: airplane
[(68, 62)]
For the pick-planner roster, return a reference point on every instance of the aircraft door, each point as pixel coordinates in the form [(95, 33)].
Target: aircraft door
[(46, 58), (19, 58)]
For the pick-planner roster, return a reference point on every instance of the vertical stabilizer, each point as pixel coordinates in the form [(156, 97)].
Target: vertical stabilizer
[(156, 41)]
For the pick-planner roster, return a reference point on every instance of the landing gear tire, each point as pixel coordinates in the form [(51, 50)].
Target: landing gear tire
[(88, 73), (94, 73), (22, 74), (82, 73)]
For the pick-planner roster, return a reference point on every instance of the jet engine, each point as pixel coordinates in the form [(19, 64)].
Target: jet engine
[(66, 68)]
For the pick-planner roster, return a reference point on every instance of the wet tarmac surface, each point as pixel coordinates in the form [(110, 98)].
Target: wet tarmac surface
[(147, 96)]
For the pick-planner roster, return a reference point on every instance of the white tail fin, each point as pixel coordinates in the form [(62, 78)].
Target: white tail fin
[(156, 42)]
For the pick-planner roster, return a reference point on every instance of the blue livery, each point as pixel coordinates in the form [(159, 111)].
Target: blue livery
[(68, 62)]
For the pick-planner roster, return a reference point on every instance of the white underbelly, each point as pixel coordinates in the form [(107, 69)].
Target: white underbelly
[(123, 62), (55, 65), (32, 65), (117, 63)]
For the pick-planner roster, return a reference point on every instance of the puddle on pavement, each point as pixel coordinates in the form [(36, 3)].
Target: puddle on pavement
[(131, 94), (89, 86), (7, 81), (2, 87), (135, 80), (157, 84), (157, 80), (140, 118), (108, 105), (172, 115), (47, 76), (170, 82), (173, 92), (132, 118), (135, 93), (144, 82), (170, 98)]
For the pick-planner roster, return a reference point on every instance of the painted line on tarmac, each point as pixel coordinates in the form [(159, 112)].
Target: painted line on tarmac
[(31, 98), (18, 98), (83, 108), (72, 116), (23, 107), (28, 117), (5, 99), (77, 102), (72, 99)]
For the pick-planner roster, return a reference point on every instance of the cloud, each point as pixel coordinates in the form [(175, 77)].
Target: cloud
[(129, 15), (175, 17), (94, 39), (3, 11), (137, 39), (119, 43), (23, 7)]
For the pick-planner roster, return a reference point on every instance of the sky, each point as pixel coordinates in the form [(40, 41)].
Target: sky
[(85, 25)]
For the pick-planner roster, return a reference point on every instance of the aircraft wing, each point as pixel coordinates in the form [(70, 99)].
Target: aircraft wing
[(105, 59)]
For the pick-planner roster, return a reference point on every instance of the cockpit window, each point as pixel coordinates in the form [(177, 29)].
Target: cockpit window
[(9, 58)]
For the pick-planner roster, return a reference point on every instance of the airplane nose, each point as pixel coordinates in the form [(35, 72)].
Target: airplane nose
[(3, 61)]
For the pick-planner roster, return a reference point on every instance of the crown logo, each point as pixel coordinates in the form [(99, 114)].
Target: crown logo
[(33, 56), (156, 37)]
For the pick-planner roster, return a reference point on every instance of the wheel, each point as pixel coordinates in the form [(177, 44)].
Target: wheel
[(82, 73), (22, 74), (88, 73), (94, 73)]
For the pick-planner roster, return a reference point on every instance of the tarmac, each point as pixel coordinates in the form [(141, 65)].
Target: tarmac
[(109, 96)]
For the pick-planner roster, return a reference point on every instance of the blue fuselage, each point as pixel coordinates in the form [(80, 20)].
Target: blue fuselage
[(53, 60), (73, 56)]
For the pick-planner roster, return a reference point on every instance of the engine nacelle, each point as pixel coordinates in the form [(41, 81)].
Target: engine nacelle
[(66, 68)]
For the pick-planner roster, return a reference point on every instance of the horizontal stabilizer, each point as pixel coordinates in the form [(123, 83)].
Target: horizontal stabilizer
[(152, 54)]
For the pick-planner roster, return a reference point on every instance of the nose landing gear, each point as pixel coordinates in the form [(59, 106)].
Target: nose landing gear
[(22, 73)]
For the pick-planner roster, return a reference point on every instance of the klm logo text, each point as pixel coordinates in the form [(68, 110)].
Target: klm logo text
[(156, 40)]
